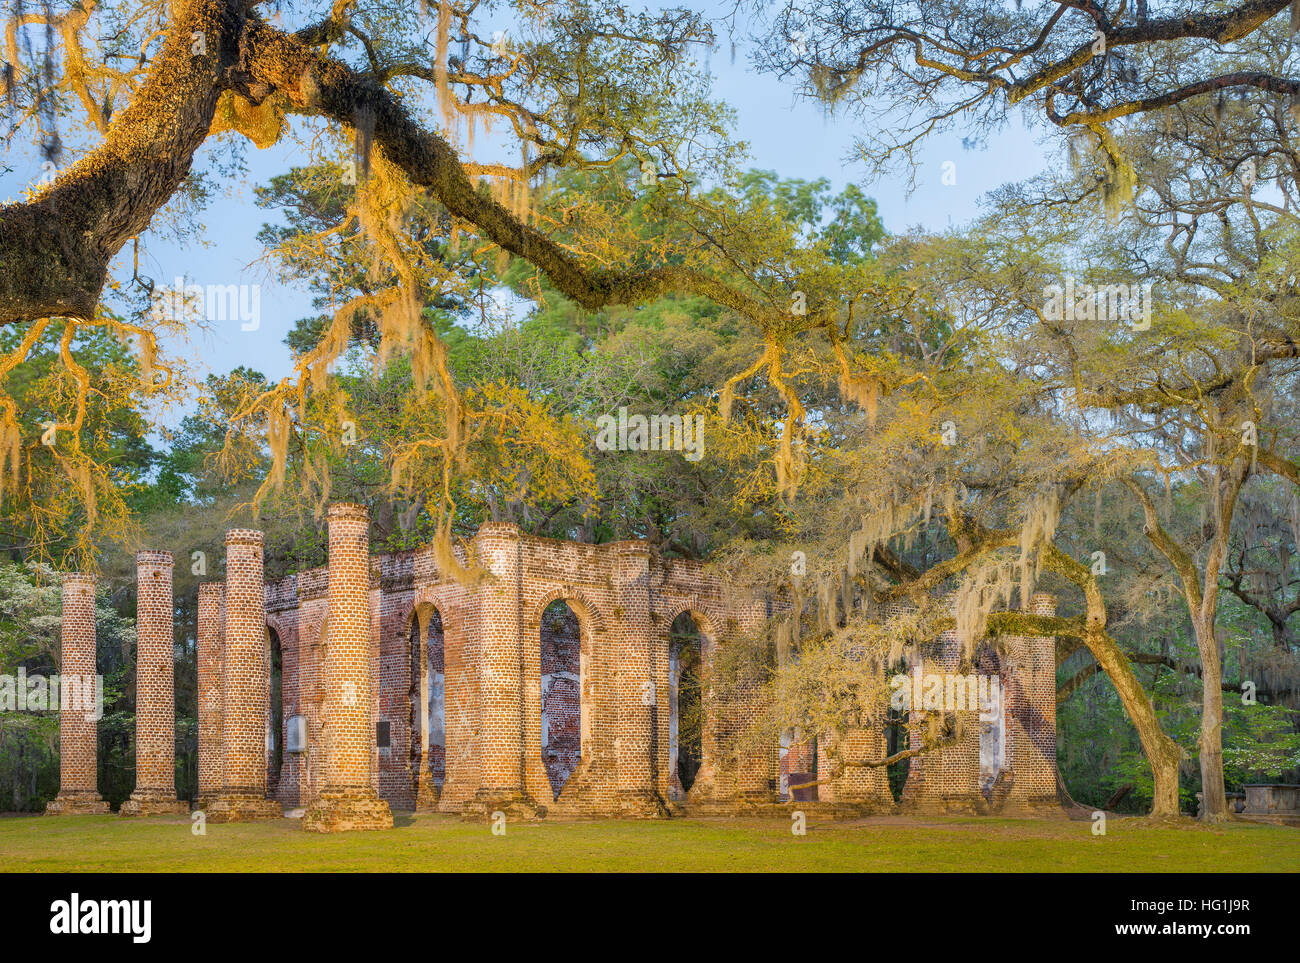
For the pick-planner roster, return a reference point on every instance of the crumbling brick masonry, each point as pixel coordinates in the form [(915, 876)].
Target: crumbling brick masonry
[(554, 684)]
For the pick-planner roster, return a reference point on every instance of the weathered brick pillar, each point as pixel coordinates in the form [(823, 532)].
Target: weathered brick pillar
[(756, 775), (211, 619), (739, 767), (1030, 692), (155, 707), (637, 752), (867, 788), (501, 700), (77, 720), (347, 799), (243, 686), (943, 780)]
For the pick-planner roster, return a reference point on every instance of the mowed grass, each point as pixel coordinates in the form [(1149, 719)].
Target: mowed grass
[(442, 843)]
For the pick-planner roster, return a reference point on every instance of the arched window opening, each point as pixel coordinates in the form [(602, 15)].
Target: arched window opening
[(415, 718), (435, 667), (686, 700), (561, 671), (428, 716), (275, 711), (992, 723)]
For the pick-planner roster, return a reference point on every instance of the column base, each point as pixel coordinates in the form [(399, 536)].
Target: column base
[(955, 804), (153, 803), (77, 804), (707, 801), (1042, 807), (639, 804), (427, 795), (512, 802), (341, 810), (239, 808), (876, 805)]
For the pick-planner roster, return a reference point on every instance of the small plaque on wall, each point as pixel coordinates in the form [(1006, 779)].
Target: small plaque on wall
[(383, 738), (295, 734)]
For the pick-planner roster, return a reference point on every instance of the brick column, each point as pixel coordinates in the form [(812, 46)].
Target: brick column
[(637, 753), (243, 686), (155, 707), (77, 720), (212, 597), (867, 788), (1030, 688), (501, 698), (943, 781), (738, 772), (756, 775), (348, 799)]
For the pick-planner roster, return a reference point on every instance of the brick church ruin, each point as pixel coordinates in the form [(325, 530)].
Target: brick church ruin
[(558, 684)]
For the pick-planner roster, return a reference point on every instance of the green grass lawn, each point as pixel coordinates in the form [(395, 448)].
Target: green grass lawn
[(439, 843)]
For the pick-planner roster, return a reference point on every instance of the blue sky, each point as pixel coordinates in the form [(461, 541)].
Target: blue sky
[(793, 137)]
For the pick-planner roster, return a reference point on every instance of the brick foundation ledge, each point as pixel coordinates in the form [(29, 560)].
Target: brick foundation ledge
[(341, 810), (953, 804), (515, 804), (235, 808), (1040, 807), (707, 793), (639, 804), (77, 804), (154, 804)]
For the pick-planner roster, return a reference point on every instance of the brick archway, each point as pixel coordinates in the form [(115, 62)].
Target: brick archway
[(426, 720), (591, 626), (705, 626), (589, 614), (281, 769)]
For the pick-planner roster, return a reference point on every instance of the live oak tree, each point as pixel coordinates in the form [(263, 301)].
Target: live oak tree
[(397, 95), (1172, 115), (1082, 69), (951, 480), (872, 350)]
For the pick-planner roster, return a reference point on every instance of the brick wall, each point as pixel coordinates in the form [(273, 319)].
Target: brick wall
[(599, 670), (551, 684), (497, 651), (1031, 716)]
